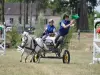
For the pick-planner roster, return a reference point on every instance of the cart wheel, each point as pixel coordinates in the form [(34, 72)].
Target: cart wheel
[(36, 58), (66, 57)]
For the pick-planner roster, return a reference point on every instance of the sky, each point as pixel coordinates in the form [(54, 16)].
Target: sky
[(97, 8)]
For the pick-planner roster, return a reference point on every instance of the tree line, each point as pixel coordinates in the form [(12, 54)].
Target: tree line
[(81, 7)]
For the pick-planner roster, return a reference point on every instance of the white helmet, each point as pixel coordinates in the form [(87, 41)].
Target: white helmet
[(51, 20)]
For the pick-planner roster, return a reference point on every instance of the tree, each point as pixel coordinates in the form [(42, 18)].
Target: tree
[(27, 2), (20, 17), (83, 21), (91, 5), (59, 6), (2, 11), (83, 7), (41, 5), (13, 1)]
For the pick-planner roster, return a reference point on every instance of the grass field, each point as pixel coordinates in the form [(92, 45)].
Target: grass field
[(81, 56)]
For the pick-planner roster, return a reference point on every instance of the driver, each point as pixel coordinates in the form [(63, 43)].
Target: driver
[(65, 25), (49, 30)]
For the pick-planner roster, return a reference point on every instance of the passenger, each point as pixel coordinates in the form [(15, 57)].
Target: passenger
[(49, 30)]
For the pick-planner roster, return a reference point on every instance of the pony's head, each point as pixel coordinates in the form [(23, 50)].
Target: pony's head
[(24, 39), (25, 33)]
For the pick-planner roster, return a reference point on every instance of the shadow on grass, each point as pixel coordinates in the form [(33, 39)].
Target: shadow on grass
[(52, 57)]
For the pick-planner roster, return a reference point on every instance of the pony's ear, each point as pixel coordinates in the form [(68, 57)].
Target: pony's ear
[(21, 39)]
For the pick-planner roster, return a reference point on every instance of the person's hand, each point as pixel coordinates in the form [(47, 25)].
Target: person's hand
[(72, 23), (51, 34)]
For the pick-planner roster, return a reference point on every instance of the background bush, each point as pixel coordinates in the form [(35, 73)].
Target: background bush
[(13, 37), (40, 25)]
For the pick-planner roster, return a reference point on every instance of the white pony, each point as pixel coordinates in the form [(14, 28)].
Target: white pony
[(30, 46)]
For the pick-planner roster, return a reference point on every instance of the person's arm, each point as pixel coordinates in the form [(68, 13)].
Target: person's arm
[(71, 24), (45, 28), (54, 30), (65, 26)]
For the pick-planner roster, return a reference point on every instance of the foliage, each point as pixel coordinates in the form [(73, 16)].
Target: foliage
[(97, 13), (93, 2), (13, 0), (76, 7), (91, 5), (40, 25), (41, 5), (68, 37), (65, 5), (13, 37), (91, 21), (0, 12), (59, 5)]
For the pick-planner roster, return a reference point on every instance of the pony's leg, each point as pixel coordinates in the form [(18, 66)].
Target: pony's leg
[(39, 55), (21, 57), (32, 57), (26, 57)]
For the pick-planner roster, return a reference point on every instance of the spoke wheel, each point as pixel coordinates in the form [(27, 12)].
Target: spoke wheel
[(66, 57), (36, 58)]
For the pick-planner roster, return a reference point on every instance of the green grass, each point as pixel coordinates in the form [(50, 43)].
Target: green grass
[(81, 56)]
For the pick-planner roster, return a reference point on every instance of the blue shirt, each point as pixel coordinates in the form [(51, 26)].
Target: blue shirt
[(50, 29), (63, 31)]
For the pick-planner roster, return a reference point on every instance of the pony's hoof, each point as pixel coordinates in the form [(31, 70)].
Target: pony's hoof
[(30, 61), (20, 60)]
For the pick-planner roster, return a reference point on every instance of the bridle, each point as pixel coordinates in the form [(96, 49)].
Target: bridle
[(25, 41)]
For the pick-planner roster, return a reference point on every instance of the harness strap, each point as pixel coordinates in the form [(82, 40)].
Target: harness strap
[(30, 48), (31, 43), (35, 44), (41, 47)]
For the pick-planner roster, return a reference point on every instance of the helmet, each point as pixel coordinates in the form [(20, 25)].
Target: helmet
[(51, 20), (65, 15)]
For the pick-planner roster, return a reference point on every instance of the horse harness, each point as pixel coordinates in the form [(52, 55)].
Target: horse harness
[(35, 44)]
